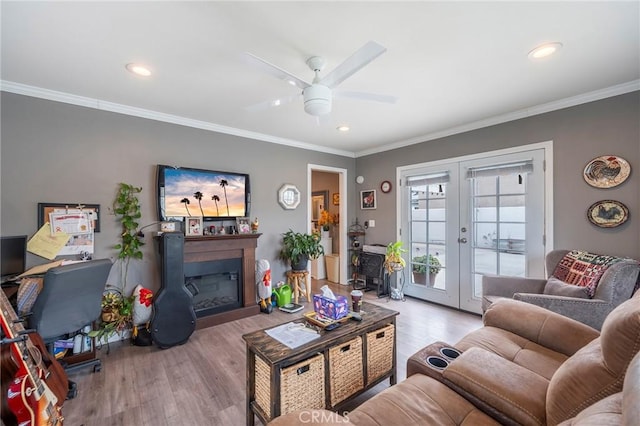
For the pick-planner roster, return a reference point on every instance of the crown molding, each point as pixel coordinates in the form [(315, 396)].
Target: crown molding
[(53, 95), (38, 92), (584, 98)]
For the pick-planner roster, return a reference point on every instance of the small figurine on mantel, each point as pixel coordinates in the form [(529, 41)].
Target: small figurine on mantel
[(222, 231), (254, 226)]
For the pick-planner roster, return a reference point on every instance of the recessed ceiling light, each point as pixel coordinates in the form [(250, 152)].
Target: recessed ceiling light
[(139, 70), (343, 128), (545, 50)]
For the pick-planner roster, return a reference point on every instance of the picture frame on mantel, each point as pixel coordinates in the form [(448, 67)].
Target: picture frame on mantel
[(193, 226)]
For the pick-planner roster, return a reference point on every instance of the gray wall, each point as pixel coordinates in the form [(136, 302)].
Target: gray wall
[(54, 152), (579, 134), (58, 153)]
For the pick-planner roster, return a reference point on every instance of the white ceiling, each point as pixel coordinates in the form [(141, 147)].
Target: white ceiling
[(453, 65)]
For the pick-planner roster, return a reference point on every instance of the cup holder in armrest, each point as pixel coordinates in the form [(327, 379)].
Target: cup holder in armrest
[(437, 362), (450, 353)]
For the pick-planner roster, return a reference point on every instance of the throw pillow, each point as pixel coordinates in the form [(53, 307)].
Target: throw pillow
[(583, 269), (28, 293), (142, 305), (556, 287)]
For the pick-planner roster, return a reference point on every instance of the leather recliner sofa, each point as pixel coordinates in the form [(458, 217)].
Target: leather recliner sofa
[(527, 365)]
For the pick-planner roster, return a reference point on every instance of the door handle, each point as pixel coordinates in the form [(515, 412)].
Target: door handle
[(462, 240)]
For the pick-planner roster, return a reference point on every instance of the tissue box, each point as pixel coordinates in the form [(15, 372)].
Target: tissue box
[(329, 308)]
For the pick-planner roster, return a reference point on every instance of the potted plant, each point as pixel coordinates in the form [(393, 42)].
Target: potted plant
[(298, 248), (393, 260), (326, 220), (117, 307), (420, 265)]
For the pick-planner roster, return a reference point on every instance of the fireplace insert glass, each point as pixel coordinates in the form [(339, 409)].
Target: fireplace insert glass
[(216, 285)]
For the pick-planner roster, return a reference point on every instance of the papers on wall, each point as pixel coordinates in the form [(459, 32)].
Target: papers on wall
[(293, 334), (46, 245), (66, 233), (77, 225)]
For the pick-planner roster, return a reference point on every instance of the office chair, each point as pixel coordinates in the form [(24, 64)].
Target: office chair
[(70, 299)]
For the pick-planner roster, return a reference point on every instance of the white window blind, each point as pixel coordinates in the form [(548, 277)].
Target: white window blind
[(519, 168), (430, 179)]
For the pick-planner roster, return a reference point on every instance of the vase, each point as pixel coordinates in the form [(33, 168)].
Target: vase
[(325, 234)]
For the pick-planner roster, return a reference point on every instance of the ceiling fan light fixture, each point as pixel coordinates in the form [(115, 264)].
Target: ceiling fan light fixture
[(545, 50), (317, 99)]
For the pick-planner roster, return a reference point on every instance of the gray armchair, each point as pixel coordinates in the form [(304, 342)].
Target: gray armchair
[(616, 285)]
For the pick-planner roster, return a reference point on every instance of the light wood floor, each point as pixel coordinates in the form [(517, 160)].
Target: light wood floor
[(203, 381)]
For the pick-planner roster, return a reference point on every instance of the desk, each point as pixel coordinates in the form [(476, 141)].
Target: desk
[(268, 361)]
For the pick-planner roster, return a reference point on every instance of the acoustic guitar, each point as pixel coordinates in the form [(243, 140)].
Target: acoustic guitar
[(29, 396)]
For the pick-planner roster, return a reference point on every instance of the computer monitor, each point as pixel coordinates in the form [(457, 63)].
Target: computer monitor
[(13, 254)]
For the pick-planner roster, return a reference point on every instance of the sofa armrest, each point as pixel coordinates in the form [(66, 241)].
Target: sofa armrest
[(318, 417), (591, 312), (540, 325), (497, 382), (502, 286)]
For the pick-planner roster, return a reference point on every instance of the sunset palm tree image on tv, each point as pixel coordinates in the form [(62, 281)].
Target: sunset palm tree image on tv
[(214, 195)]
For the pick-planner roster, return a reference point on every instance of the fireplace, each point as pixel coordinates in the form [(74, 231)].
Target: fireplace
[(216, 285), (222, 269)]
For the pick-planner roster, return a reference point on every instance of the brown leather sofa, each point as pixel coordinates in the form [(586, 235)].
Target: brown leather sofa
[(527, 365)]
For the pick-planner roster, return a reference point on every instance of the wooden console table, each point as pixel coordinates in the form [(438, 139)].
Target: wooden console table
[(372, 341)]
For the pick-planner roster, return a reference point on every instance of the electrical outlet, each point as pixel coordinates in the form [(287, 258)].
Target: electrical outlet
[(372, 223)]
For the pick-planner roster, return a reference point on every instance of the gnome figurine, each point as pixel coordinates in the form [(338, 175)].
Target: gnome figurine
[(263, 281)]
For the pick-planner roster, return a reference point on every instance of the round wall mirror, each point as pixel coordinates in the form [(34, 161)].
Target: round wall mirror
[(288, 196)]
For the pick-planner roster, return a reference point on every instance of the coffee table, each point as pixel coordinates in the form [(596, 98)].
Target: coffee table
[(325, 373)]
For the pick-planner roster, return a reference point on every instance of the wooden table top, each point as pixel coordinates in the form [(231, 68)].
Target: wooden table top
[(273, 351)]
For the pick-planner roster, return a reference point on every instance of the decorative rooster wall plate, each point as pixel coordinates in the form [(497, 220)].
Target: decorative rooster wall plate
[(607, 171)]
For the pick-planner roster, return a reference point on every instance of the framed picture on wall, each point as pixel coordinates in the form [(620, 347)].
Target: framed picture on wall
[(368, 199), (194, 226), (336, 199)]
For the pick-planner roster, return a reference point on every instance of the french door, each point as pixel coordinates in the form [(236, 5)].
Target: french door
[(464, 218)]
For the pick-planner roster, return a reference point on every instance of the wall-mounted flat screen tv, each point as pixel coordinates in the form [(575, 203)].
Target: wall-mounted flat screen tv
[(214, 195)]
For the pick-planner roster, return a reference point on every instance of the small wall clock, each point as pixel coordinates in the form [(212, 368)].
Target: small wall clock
[(385, 186)]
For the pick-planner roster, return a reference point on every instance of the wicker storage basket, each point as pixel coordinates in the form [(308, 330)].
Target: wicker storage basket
[(346, 375), (301, 385), (263, 386), (379, 352)]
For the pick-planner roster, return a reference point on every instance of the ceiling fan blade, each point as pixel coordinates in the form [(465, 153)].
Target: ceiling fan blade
[(275, 71), (353, 63), (365, 96), (261, 106)]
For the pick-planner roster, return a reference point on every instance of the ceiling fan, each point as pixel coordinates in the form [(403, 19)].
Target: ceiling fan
[(318, 94)]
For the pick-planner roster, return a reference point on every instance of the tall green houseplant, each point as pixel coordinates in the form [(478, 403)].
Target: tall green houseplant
[(126, 207), (117, 308)]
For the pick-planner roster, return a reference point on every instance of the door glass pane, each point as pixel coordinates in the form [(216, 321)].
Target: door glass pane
[(512, 208), (484, 186), (511, 184), (513, 264), (485, 235), (485, 261), (499, 224), (428, 232), (485, 208)]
